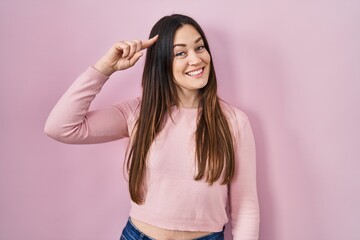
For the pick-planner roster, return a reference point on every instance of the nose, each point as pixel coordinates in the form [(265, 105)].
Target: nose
[(194, 59)]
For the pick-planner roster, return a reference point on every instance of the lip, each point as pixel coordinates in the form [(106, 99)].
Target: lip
[(199, 75), (196, 69)]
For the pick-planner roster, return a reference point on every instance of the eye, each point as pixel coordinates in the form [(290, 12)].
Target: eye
[(200, 48), (180, 54)]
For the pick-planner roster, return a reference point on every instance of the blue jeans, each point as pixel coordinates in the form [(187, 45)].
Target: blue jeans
[(130, 232)]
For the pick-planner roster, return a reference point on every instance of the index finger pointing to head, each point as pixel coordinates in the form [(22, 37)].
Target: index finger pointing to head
[(149, 42)]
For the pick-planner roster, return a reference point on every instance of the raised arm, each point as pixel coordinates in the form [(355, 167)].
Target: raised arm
[(70, 121), (244, 207)]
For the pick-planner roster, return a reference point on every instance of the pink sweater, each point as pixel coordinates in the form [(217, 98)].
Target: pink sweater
[(174, 200)]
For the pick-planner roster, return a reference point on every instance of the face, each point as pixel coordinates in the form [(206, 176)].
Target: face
[(191, 64)]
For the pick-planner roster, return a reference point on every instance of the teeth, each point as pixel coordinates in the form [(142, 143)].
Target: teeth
[(193, 73)]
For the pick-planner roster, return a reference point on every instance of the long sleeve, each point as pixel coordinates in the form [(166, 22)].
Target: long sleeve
[(70, 121), (244, 206)]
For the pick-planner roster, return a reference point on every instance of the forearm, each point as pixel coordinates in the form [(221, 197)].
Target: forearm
[(244, 206)]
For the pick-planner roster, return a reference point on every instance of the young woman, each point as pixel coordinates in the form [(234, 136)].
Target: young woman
[(189, 152)]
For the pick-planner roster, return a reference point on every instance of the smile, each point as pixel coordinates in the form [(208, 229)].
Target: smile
[(196, 73)]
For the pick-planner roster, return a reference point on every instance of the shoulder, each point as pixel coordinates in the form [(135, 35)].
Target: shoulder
[(129, 108), (131, 105), (236, 117)]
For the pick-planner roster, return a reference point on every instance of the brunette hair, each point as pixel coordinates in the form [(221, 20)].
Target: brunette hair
[(214, 143)]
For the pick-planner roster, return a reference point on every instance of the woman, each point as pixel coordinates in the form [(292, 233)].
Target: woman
[(189, 152)]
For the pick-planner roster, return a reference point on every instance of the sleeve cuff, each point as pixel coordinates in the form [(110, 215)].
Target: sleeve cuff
[(93, 73)]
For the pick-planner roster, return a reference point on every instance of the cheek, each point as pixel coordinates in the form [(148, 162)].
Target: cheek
[(208, 57), (207, 60), (205, 56), (178, 67)]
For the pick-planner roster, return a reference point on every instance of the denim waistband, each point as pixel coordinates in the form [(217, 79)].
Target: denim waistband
[(131, 232)]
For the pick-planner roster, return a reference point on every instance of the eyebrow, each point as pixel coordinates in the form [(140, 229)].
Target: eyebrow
[(184, 45)]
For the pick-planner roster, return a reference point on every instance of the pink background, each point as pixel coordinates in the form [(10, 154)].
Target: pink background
[(292, 66)]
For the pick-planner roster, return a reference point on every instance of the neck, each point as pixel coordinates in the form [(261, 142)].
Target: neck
[(189, 99)]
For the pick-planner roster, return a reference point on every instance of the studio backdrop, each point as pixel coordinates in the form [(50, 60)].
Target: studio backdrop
[(292, 66)]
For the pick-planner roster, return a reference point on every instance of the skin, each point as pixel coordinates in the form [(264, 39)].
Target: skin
[(189, 55), (122, 55)]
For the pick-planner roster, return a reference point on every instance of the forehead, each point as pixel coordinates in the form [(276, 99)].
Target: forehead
[(186, 34)]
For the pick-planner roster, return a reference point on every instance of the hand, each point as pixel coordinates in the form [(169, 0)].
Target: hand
[(122, 55)]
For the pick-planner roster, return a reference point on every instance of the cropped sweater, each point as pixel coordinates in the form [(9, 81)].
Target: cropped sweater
[(173, 200)]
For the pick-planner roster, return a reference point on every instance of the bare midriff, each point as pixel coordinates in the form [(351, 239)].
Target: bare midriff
[(165, 234)]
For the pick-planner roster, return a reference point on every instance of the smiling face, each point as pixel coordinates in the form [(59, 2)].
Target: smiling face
[(191, 64)]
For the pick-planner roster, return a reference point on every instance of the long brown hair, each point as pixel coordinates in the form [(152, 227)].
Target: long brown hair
[(214, 143)]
